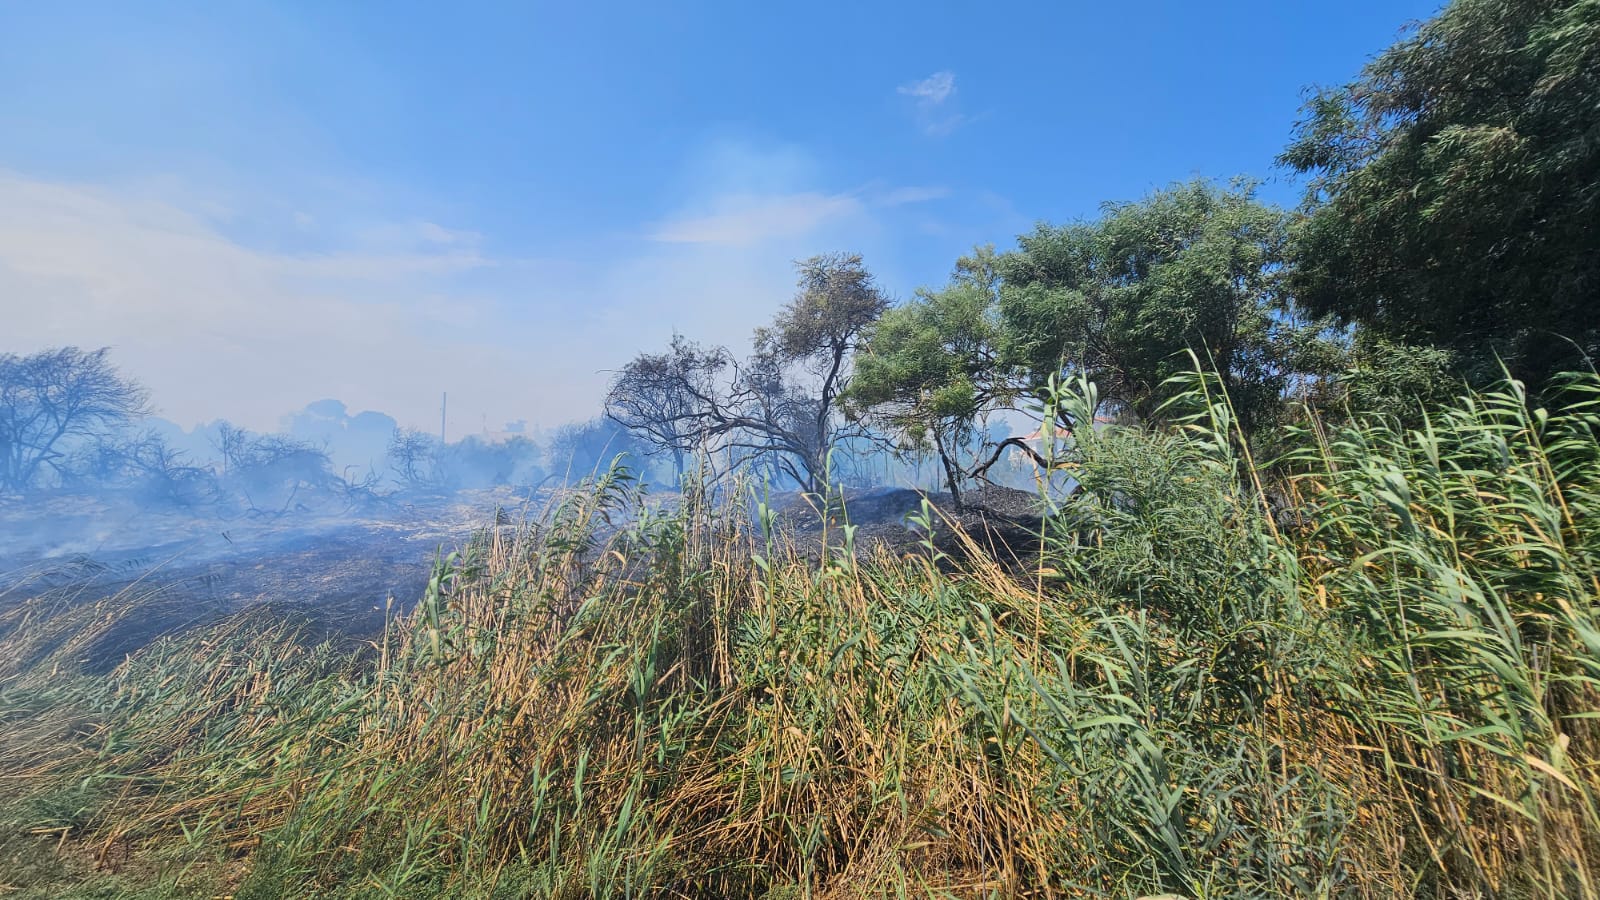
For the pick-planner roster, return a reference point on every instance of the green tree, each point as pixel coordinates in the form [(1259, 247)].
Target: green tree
[(1194, 266), (1455, 190), (1398, 382), (930, 369)]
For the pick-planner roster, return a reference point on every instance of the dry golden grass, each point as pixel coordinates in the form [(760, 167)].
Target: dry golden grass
[(1391, 694)]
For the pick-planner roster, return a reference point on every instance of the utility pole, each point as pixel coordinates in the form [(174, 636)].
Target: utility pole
[(444, 402)]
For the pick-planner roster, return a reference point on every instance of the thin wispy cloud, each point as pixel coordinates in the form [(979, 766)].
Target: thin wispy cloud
[(757, 196), (935, 105), (915, 194), (933, 90), (749, 219), (216, 327)]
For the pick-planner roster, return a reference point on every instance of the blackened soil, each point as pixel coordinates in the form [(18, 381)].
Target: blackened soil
[(1001, 523), (344, 576), (340, 575)]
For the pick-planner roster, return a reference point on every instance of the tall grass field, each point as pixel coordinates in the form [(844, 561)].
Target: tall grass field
[(1366, 664)]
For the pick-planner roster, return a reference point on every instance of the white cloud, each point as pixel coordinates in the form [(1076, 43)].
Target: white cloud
[(933, 90), (415, 235), (751, 219), (739, 217), (935, 100)]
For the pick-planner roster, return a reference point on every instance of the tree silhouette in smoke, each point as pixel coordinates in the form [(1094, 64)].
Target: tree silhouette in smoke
[(52, 399)]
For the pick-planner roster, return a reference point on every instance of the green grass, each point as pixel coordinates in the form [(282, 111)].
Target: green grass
[(1368, 668)]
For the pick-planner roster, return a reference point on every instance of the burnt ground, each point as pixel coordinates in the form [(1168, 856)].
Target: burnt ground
[(340, 572), (1002, 522)]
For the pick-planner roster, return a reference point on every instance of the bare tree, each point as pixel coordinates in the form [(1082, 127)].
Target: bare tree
[(272, 471), (814, 339), (52, 399), (662, 398), (413, 454), (778, 409), (144, 462)]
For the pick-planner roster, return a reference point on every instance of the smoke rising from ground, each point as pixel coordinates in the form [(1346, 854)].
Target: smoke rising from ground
[(340, 511)]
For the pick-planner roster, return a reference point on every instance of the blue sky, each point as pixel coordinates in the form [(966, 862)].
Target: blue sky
[(260, 205)]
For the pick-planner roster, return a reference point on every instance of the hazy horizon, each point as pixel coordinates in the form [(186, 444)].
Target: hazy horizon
[(265, 206)]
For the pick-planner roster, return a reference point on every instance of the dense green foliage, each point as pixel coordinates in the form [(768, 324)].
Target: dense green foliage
[(931, 367), (1120, 299), (1449, 233), (1456, 197)]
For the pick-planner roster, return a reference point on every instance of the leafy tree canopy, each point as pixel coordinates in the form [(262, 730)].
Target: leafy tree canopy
[(1455, 197), (1194, 266), (930, 368)]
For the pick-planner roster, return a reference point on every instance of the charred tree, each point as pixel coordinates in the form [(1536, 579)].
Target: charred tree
[(53, 399)]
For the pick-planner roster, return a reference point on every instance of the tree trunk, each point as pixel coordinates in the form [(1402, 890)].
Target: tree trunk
[(952, 474)]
